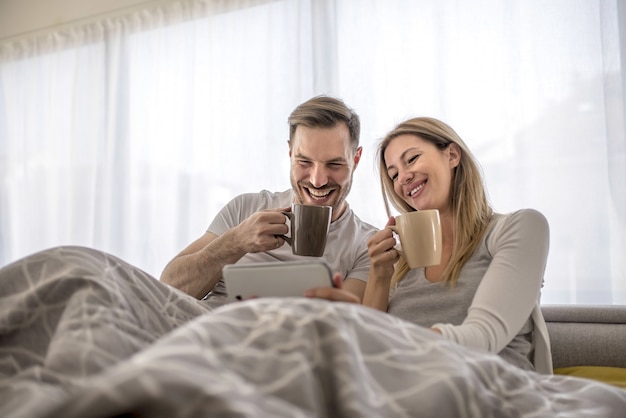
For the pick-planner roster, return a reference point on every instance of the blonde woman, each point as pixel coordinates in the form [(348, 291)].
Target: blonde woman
[(485, 293)]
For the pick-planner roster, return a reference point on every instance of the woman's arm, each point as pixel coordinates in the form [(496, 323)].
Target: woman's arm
[(383, 256), (510, 288)]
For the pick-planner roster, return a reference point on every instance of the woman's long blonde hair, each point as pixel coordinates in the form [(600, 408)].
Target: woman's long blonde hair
[(470, 206)]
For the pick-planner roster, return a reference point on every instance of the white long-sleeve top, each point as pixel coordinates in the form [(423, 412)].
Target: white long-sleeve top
[(495, 304)]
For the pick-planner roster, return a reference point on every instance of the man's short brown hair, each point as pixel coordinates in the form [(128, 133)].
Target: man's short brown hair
[(325, 112)]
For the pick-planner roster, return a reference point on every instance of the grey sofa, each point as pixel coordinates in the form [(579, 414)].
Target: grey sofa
[(582, 335)]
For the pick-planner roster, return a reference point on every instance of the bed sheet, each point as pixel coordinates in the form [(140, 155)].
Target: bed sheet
[(84, 334)]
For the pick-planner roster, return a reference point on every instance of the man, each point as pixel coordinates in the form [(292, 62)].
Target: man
[(324, 151)]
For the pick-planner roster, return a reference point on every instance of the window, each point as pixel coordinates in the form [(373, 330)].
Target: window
[(129, 132)]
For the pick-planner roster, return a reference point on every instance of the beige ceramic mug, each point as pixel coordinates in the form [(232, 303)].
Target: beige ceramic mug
[(420, 237), (309, 229)]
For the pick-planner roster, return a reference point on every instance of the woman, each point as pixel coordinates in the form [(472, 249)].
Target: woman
[(485, 293)]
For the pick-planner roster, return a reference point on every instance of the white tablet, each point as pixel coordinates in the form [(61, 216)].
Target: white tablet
[(275, 279)]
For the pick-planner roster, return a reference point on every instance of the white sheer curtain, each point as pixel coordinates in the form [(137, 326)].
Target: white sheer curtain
[(127, 133)]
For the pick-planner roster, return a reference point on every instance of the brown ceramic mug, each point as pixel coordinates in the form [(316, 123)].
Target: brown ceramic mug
[(309, 229)]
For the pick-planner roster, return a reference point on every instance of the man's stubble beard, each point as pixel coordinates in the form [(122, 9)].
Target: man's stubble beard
[(339, 201)]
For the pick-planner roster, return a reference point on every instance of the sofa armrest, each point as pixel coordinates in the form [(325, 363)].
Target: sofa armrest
[(584, 335)]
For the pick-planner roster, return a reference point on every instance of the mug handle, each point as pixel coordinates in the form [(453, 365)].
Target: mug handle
[(398, 246), (285, 237)]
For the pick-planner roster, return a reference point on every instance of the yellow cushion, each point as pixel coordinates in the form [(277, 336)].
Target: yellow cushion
[(615, 376)]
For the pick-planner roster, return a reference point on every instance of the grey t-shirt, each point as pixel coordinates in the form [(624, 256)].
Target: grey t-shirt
[(346, 246), (497, 290)]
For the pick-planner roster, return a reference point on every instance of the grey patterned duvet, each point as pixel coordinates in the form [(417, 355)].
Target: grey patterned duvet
[(84, 334)]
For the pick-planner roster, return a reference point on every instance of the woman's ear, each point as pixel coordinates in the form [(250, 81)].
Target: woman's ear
[(454, 154)]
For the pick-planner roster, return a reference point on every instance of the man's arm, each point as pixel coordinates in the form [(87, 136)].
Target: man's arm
[(198, 268)]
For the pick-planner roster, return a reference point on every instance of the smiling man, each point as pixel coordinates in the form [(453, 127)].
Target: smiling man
[(324, 151)]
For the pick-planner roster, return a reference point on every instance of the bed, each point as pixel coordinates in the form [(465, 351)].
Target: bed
[(84, 334)]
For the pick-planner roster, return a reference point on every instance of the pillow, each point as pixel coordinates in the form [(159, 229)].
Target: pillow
[(615, 376)]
